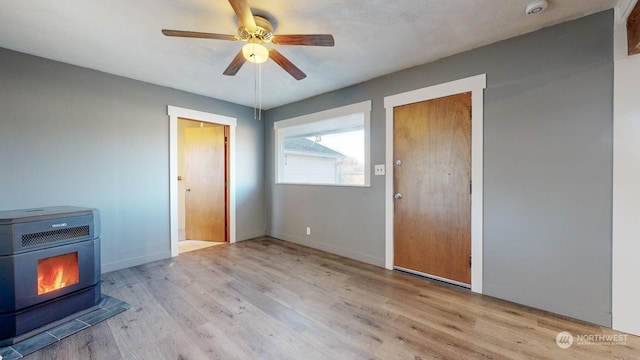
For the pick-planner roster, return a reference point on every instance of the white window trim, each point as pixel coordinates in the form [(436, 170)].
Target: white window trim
[(475, 84), (174, 113), (361, 107)]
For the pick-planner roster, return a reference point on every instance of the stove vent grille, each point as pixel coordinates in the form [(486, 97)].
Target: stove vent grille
[(46, 237)]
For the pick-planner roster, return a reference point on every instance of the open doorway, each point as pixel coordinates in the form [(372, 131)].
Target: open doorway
[(177, 186), (202, 182)]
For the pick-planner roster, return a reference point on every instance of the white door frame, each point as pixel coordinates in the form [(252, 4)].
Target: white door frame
[(475, 85), (174, 113)]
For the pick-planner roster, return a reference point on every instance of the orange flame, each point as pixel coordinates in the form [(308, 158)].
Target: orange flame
[(57, 272)]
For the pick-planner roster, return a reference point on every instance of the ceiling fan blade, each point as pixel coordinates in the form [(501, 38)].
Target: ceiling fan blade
[(200, 35), (245, 16), (312, 40), (235, 65), (286, 64)]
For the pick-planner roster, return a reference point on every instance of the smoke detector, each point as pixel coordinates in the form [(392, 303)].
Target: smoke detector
[(536, 7)]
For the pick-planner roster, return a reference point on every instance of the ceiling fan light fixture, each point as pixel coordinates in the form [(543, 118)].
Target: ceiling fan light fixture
[(255, 52)]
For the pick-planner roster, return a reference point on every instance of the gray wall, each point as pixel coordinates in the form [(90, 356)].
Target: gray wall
[(75, 136), (547, 168)]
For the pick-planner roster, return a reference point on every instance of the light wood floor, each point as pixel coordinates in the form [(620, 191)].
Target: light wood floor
[(270, 299)]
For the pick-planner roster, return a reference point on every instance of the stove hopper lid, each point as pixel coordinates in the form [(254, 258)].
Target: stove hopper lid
[(44, 213)]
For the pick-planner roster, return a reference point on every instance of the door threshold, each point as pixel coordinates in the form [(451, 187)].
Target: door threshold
[(433, 277)]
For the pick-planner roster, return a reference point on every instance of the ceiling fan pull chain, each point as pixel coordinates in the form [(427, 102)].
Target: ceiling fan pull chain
[(260, 91), (255, 90)]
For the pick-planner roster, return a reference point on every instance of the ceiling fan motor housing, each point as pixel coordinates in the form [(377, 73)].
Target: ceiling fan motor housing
[(263, 32)]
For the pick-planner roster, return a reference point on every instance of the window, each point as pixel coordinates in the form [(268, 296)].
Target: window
[(325, 148)]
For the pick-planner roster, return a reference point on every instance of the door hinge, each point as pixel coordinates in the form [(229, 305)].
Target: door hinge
[(470, 187), (469, 260)]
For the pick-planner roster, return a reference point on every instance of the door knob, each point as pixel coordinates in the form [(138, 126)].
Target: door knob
[(397, 196), (398, 162), (187, 189)]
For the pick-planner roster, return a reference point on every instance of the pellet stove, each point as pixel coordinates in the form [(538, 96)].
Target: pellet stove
[(49, 268)]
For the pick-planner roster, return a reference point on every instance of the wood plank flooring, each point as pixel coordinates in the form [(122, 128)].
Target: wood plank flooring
[(271, 299)]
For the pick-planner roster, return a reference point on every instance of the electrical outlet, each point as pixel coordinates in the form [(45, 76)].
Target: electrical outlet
[(308, 230), (379, 170)]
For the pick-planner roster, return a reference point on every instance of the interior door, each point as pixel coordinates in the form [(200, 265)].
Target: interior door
[(432, 185), (205, 183)]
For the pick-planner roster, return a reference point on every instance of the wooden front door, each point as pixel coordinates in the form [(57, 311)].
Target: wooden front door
[(432, 183), (205, 183)]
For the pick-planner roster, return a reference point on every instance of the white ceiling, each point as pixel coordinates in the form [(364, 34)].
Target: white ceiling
[(373, 38)]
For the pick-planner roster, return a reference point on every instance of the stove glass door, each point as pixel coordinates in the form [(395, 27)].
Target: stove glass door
[(57, 272)]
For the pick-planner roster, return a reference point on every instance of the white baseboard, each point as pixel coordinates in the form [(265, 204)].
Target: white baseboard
[(249, 236), (329, 248), (126, 263)]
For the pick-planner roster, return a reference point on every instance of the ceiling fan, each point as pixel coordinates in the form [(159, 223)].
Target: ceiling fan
[(257, 30)]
